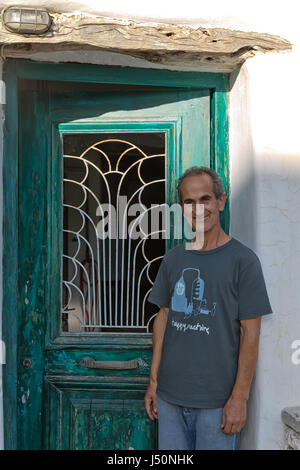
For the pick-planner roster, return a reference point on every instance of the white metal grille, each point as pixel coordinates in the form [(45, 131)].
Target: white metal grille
[(106, 281)]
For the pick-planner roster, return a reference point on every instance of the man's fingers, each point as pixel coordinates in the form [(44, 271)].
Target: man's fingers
[(235, 428), (154, 407), (226, 424), (232, 427), (148, 407), (151, 407), (223, 420), (227, 428)]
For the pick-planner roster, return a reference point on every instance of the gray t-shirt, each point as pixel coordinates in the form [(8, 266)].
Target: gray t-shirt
[(208, 293)]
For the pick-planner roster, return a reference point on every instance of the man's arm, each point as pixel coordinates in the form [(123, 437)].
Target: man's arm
[(159, 327), (235, 410)]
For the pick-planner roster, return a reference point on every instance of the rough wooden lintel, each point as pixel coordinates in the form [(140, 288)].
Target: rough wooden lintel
[(168, 44)]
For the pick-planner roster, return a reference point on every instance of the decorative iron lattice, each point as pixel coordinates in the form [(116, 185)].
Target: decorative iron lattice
[(106, 280)]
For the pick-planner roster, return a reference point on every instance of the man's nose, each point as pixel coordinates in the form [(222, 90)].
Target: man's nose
[(197, 209)]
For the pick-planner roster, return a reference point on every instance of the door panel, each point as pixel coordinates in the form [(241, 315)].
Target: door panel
[(81, 419), (81, 383)]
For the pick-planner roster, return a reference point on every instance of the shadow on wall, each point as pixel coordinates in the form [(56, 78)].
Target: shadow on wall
[(242, 165), (243, 199), (275, 219)]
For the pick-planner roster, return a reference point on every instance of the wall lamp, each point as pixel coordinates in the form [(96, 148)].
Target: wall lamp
[(26, 20)]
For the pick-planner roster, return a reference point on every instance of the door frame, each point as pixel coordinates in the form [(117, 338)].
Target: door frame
[(14, 70)]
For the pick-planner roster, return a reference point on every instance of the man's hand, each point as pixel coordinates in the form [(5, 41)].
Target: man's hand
[(234, 415), (235, 410), (159, 326), (150, 401)]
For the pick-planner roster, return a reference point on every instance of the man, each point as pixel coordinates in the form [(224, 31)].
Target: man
[(206, 333)]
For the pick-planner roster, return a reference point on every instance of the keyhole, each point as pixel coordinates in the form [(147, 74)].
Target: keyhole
[(27, 363)]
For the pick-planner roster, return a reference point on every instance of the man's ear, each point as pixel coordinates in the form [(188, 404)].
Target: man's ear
[(222, 201)]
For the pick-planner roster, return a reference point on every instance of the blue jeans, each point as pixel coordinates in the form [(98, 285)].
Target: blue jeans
[(183, 428)]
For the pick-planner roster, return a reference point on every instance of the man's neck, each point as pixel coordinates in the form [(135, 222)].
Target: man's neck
[(212, 239)]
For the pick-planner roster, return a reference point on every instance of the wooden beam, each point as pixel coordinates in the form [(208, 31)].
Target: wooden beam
[(168, 44)]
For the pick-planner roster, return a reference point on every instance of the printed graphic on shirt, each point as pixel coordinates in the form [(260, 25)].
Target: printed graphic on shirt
[(188, 295)]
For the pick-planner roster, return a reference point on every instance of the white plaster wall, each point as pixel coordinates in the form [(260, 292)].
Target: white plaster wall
[(265, 176), (269, 144), (271, 16), (264, 184)]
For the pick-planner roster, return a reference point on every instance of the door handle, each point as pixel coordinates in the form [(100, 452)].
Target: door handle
[(89, 363)]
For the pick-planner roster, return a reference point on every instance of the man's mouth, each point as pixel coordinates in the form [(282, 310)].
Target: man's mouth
[(205, 218)]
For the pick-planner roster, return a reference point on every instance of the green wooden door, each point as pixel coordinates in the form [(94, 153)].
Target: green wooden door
[(84, 325)]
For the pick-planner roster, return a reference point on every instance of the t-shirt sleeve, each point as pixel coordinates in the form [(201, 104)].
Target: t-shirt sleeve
[(160, 292), (253, 297)]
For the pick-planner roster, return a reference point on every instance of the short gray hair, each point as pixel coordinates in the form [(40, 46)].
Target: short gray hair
[(218, 186)]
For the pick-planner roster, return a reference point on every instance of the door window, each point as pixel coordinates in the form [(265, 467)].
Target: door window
[(113, 233)]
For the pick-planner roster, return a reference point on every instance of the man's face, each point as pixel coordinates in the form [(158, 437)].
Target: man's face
[(198, 189)]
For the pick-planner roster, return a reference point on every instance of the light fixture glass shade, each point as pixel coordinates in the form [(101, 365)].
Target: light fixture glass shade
[(23, 20)]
